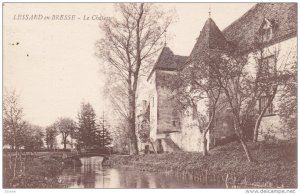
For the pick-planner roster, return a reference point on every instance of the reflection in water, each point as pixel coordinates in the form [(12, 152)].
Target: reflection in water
[(92, 175)]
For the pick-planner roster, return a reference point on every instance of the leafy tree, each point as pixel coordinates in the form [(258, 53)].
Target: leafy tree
[(33, 138), (65, 126), (87, 126), (103, 135), (130, 42), (50, 137)]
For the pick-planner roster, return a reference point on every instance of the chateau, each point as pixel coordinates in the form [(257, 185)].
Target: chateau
[(170, 131)]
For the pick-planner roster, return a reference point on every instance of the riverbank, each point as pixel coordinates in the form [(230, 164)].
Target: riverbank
[(40, 170), (276, 163)]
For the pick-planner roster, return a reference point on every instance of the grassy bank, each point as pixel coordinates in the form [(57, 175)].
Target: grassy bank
[(276, 163), (40, 170)]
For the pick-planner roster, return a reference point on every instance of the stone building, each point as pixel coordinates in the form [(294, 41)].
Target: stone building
[(170, 130)]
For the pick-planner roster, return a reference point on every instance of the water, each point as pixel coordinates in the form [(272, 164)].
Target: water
[(92, 175)]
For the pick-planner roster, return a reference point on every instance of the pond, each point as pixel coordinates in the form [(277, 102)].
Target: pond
[(92, 175)]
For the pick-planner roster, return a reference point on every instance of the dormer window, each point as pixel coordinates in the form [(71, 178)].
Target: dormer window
[(266, 31)]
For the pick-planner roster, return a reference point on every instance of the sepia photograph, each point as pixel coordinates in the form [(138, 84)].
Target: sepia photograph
[(144, 95)]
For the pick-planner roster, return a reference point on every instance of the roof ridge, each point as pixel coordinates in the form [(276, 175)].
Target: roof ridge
[(242, 32), (238, 19)]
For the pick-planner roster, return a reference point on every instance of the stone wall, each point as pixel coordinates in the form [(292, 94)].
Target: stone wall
[(168, 118)]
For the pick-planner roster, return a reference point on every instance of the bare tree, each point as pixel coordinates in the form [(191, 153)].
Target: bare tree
[(130, 42), (13, 123), (230, 72), (288, 104), (193, 87), (272, 73)]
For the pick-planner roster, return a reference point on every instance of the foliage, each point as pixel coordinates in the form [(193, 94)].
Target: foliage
[(120, 138), (50, 137), (33, 138), (66, 127), (87, 126), (103, 135)]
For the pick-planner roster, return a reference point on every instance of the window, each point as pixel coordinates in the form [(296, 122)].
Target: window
[(266, 31), (263, 101), (267, 34)]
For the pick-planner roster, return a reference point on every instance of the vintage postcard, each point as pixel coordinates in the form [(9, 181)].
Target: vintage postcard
[(150, 95)]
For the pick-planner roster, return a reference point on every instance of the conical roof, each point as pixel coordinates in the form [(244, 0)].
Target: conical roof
[(210, 37), (167, 59)]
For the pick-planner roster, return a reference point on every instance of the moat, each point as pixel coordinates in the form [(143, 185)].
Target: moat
[(92, 175)]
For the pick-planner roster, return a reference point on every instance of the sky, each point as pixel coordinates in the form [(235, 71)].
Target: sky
[(52, 64)]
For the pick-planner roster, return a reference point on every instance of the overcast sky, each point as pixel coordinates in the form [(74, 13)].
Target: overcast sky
[(54, 67)]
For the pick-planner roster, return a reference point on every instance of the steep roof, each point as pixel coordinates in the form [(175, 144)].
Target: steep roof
[(242, 32), (210, 37), (168, 61)]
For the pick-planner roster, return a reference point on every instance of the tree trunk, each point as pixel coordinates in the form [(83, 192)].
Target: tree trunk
[(15, 165), (257, 124), (133, 138), (65, 143), (245, 147), (205, 152), (259, 119), (238, 133), (204, 133)]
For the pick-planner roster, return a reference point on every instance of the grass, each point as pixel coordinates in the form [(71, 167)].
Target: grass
[(276, 163)]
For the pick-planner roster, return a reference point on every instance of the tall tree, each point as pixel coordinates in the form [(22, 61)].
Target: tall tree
[(50, 137), (194, 89), (13, 123), (230, 73), (103, 135), (34, 137), (65, 126), (87, 126), (130, 42)]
